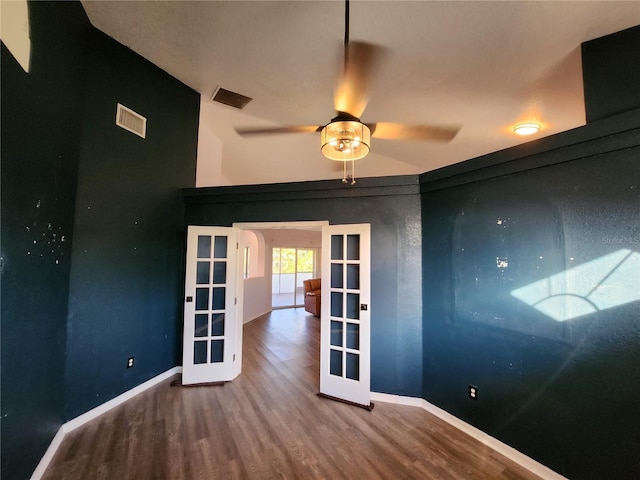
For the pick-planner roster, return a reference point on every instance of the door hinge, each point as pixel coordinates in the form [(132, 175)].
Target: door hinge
[(235, 300), (237, 246), (234, 357)]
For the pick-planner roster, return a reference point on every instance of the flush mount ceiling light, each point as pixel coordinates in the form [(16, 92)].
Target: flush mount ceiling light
[(526, 128)]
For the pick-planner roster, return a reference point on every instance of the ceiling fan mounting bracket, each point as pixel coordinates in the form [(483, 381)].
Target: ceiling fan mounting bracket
[(344, 117)]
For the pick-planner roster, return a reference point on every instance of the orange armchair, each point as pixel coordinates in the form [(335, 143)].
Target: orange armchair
[(312, 296)]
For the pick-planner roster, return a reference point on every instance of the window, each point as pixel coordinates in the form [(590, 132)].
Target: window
[(247, 258), (290, 267), (253, 259)]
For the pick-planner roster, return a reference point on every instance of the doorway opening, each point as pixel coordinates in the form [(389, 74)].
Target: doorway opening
[(220, 284), (255, 292)]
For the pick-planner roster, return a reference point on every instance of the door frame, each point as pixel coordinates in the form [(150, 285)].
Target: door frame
[(301, 225), (315, 225)]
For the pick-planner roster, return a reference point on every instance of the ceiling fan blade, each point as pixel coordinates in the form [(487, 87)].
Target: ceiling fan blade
[(242, 131), (398, 131), (352, 93)]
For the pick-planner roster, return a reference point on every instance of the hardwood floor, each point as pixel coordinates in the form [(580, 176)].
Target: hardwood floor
[(270, 424)]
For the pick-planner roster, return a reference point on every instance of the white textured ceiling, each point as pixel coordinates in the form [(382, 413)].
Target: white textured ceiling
[(482, 65)]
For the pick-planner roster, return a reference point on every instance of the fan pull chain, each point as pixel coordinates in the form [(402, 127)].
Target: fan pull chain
[(350, 179)]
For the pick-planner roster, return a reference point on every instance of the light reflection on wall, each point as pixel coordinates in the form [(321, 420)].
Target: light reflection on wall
[(14, 30), (602, 283)]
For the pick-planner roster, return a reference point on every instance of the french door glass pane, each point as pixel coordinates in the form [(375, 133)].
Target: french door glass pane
[(336, 333), (353, 366), (353, 277), (353, 336), (199, 352), (202, 298), (353, 306), (217, 351), (217, 324), (335, 363), (219, 272), (353, 247), (202, 273), (220, 247), (204, 246), (336, 275), (337, 247), (218, 298), (336, 304), (201, 325)]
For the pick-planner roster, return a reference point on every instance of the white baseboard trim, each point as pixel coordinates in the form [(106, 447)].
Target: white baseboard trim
[(95, 413), (48, 455), (256, 316), (502, 448), (119, 400)]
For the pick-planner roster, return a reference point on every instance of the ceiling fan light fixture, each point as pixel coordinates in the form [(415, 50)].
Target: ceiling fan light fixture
[(526, 128), (345, 140)]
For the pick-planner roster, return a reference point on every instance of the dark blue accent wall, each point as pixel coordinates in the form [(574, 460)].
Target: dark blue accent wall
[(41, 125), (92, 227), (126, 271), (392, 207), (611, 74), (556, 363), (92, 242)]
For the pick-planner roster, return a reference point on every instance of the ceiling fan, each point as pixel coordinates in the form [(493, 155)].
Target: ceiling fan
[(345, 138)]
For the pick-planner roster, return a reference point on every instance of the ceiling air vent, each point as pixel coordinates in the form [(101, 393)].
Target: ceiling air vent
[(132, 121), (230, 98)]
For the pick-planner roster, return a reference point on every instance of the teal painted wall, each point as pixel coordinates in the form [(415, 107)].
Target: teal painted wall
[(92, 227), (108, 284), (560, 387), (556, 367), (41, 125), (127, 257)]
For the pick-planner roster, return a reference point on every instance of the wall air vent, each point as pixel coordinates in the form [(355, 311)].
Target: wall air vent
[(230, 98), (132, 121)]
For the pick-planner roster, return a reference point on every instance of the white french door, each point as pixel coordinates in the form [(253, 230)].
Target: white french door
[(345, 368), (212, 327)]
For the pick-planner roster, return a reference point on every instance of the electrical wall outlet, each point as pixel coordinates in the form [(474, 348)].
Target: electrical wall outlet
[(473, 392), (129, 362)]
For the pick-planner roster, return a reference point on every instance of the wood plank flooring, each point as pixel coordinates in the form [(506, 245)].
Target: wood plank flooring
[(270, 424)]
